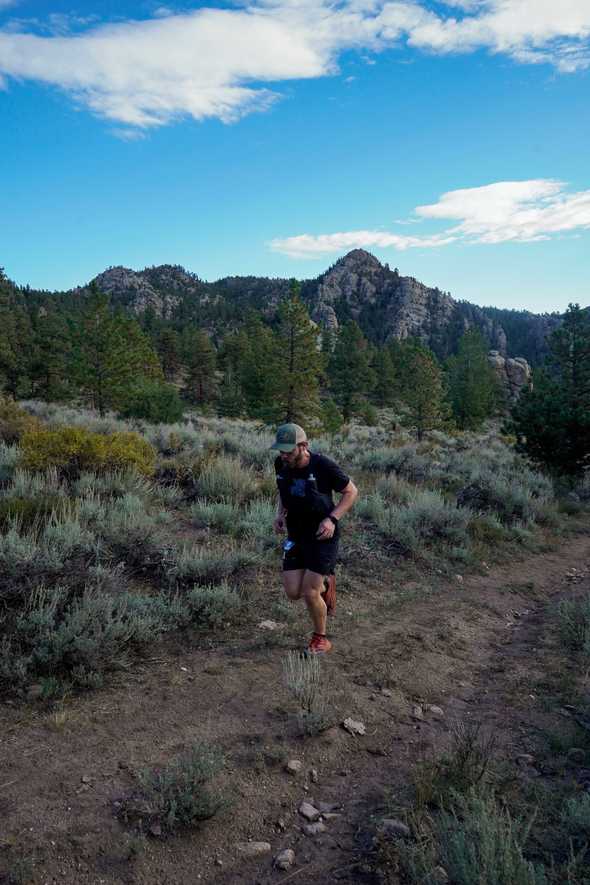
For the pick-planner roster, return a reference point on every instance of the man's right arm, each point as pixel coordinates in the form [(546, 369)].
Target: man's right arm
[(279, 524)]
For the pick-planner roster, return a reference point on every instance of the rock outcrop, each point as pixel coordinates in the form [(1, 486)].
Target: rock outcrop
[(387, 305), (160, 289), (513, 374)]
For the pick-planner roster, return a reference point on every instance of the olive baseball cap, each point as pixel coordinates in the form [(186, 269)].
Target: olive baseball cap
[(288, 436)]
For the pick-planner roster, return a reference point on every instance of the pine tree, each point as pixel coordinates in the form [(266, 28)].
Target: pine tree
[(552, 420), (258, 370), (110, 353), (17, 342), (350, 374), (299, 362), (421, 386), (382, 365), (168, 347), (231, 402), (472, 384), (201, 384), (53, 340)]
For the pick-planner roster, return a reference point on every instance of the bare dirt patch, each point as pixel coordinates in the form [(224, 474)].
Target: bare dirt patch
[(479, 648)]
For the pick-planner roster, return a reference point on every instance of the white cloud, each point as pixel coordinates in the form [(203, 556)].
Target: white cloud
[(307, 246), (519, 211), (214, 62), (527, 30)]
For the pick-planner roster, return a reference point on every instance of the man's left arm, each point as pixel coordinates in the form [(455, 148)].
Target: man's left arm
[(349, 495)]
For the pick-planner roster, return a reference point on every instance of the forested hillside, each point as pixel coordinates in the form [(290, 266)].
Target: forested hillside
[(354, 339)]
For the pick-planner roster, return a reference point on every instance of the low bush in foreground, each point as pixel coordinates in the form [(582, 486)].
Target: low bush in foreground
[(424, 517), (195, 565), (574, 624), (226, 479), (465, 766), (475, 841), (62, 636), (177, 795)]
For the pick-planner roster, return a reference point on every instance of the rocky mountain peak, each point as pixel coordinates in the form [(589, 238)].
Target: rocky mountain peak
[(358, 258)]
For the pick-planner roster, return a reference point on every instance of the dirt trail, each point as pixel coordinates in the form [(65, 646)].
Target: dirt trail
[(473, 648)]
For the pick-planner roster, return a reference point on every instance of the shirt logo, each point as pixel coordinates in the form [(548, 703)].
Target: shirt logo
[(298, 488)]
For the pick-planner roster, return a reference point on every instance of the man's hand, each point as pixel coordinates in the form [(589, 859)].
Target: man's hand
[(325, 530), (279, 524)]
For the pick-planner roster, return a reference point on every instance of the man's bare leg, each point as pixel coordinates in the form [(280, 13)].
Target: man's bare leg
[(293, 583), (313, 584)]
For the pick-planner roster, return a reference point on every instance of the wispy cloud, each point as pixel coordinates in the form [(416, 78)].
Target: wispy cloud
[(213, 62), (518, 211)]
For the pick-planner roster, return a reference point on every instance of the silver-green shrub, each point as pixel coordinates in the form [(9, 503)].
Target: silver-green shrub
[(9, 456), (477, 841), (195, 565), (574, 624), (226, 479), (211, 605), (178, 794)]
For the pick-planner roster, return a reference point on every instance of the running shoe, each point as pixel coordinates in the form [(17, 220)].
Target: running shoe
[(319, 645)]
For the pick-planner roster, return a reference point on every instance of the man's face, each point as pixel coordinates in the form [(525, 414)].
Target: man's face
[(291, 458)]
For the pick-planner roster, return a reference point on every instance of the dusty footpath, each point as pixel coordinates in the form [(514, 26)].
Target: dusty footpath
[(473, 647)]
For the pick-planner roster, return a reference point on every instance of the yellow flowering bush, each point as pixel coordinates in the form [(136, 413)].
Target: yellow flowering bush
[(72, 450)]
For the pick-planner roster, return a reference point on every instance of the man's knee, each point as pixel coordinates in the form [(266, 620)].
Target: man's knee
[(312, 586)]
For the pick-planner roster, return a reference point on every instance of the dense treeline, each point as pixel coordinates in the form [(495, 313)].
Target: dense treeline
[(284, 368)]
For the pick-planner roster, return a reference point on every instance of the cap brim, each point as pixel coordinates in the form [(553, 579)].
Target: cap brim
[(283, 447)]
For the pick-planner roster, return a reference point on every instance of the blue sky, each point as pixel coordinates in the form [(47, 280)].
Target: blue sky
[(449, 139)]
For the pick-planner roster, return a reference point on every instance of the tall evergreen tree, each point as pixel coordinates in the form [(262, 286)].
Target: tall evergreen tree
[(350, 374), (53, 338), (552, 420), (422, 387), (231, 403), (300, 363), (259, 369), (169, 351), (17, 343), (472, 384), (201, 384), (110, 353), (385, 380)]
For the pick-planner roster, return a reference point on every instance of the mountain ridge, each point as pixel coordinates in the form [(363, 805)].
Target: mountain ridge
[(357, 286)]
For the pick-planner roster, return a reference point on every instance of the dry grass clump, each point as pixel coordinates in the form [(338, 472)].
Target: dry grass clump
[(305, 679)]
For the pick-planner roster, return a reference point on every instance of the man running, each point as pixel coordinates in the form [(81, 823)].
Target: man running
[(305, 508)]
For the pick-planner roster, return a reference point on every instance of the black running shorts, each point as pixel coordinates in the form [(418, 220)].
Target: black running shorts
[(317, 556)]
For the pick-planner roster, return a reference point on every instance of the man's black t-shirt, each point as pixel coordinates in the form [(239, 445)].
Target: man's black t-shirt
[(306, 493)]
